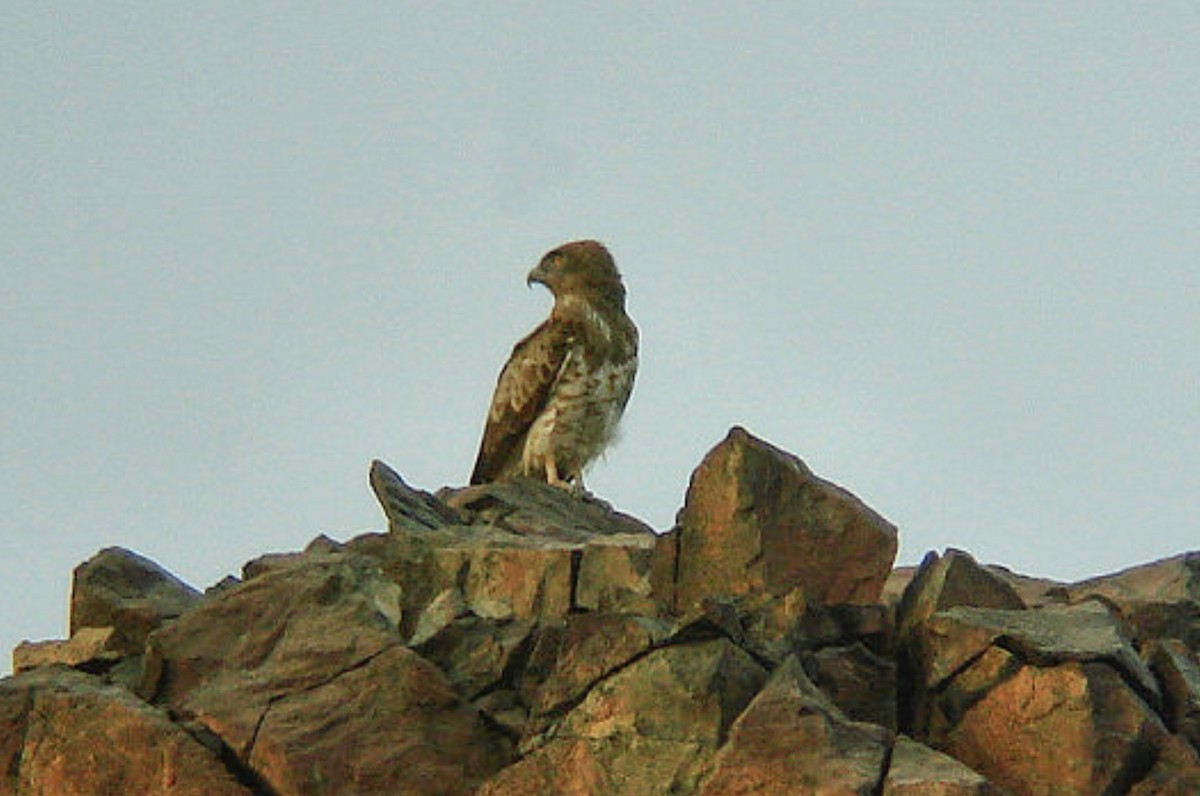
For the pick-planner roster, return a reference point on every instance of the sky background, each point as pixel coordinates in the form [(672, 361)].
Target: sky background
[(946, 253)]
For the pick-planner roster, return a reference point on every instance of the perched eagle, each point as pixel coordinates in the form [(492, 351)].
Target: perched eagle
[(561, 393)]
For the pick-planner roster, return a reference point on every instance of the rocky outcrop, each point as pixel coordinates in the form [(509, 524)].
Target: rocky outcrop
[(515, 638), (1056, 698)]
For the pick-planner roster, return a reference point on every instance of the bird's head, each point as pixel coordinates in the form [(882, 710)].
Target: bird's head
[(581, 267)]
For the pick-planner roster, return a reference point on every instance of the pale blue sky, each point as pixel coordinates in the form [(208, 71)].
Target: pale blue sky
[(947, 253)]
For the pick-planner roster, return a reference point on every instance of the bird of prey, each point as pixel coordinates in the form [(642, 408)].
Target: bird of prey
[(565, 386)]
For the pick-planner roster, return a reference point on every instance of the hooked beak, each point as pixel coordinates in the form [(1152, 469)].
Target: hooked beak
[(537, 274)]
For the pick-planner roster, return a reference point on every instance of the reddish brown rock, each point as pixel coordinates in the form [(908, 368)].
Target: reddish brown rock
[(950, 640), (771, 626), (791, 740), (302, 673), (1074, 728), (590, 647), (516, 638), (917, 770), (897, 581), (122, 590), (519, 581), (941, 582), (390, 725), (615, 574), (96, 646), (757, 520), (691, 691), (68, 734), (647, 728), (617, 766), (496, 574)]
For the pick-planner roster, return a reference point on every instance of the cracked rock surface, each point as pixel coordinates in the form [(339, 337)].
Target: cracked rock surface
[(517, 639)]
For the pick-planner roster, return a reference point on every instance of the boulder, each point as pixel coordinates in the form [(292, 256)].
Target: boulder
[(939, 583), (792, 740), (1033, 591), (618, 766), (1074, 728), (897, 581), (756, 520), (519, 550), (527, 579), (119, 589), (66, 733), (690, 692), (302, 674), (1052, 700)]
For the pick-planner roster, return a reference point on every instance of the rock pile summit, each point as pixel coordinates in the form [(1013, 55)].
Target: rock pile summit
[(515, 639)]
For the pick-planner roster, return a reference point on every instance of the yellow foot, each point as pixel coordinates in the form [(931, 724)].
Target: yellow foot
[(574, 486)]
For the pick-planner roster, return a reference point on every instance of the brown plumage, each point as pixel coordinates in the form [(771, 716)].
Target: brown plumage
[(563, 389)]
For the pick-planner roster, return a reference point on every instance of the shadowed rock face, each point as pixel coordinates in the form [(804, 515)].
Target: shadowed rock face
[(513, 638)]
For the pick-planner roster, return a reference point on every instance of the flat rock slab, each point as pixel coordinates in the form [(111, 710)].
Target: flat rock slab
[(1158, 600), (917, 770), (1045, 636), (533, 508), (98, 646)]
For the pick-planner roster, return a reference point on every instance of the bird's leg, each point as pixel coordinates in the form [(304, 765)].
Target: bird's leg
[(552, 473), (579, 490)]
